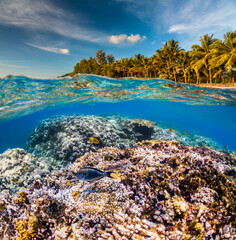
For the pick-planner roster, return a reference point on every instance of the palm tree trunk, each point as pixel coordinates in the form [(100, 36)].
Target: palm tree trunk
[(210, 74), (185, 77), (168, 70), (222, 77), (174, 75), (198, 77), (232, 76)]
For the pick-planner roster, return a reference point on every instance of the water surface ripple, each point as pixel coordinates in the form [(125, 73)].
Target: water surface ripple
[(21, 95)]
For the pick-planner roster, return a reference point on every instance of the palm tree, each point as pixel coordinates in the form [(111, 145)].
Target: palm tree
[(160, 62), (124, 67), (219, 74), (225, 53), (156, 65), (171, 51), (184, 65), (131, 67), (201, 55), (118, 69), (138, 58)]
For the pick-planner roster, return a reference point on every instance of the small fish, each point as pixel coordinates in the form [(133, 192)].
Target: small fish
[(94, 140), (171, 130), (92, 174), (68, 183), (178, 134), (185, 133), (204, 145)]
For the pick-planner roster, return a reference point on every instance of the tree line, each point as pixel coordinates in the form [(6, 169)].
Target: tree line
[(211, 61)]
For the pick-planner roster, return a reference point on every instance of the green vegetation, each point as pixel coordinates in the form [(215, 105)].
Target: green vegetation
[(213, 61)]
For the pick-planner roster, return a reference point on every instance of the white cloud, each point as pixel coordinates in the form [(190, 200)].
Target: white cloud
[(205, 16), (116, 39), (135, 38), (190, 19), (42, 15), (51, 49)]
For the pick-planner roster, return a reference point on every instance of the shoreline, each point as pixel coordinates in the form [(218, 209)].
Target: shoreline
[(216, 85), (205, 85), (78, 75)]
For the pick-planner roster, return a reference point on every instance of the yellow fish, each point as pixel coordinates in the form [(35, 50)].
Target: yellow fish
[(171, 130), (185, 133), (68, 183), (178, 134), (94, 140), (204, 145)]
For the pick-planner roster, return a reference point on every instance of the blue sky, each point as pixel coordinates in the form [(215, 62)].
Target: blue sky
[(47, 38)]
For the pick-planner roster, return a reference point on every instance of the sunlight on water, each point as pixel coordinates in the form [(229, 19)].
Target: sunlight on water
[(22, 95)]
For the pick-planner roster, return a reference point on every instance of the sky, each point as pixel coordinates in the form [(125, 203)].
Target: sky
[(47, 38)]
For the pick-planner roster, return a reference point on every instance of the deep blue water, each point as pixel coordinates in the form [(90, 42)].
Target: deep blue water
[(206, 112)]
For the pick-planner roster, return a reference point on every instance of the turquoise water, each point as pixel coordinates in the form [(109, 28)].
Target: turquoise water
[(209, 113)]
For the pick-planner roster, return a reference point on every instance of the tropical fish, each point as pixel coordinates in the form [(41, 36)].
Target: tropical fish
[(92, 174), (68, 183), (171, 130), (185, 133), (178, 134), (94, 140)]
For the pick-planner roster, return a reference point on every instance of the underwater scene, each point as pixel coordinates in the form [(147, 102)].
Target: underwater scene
[(92, 157)]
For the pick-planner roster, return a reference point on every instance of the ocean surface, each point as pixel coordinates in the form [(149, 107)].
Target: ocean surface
[(184, 109)]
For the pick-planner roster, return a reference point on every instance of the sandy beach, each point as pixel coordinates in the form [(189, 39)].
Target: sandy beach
[(217, 85)]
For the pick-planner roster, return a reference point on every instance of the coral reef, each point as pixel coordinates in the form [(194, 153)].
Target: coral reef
[(62, 139), (66, 138), (18, 169), (166, 191)]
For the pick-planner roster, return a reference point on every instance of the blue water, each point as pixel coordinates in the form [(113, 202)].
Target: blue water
[(25, 102)]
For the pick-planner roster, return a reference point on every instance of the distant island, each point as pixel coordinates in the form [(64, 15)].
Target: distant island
[(211, 62)]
